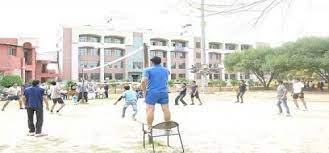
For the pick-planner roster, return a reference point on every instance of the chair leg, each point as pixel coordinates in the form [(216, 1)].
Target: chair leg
[(153, 144), (144, 140), (180, 139)]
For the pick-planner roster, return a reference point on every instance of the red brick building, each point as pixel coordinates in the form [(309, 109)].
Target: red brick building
[(18, 57)]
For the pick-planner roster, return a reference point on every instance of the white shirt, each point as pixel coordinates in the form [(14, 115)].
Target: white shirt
[(55, 92), (297, 87), (12, 91)]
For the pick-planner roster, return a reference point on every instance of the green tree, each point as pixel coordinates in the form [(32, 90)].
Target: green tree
[(311, 55), (264, 63), (9, 80)]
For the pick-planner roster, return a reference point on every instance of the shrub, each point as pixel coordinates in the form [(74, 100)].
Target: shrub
[(234, 82), (69, 84), (9, 80)]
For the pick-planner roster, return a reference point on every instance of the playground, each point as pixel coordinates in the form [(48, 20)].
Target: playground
[(218, 126)]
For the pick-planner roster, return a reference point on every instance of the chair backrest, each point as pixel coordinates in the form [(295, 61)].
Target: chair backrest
[(166, 125)]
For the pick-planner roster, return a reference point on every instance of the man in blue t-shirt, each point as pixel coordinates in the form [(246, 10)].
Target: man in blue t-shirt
[(34, 96), (154, 83)]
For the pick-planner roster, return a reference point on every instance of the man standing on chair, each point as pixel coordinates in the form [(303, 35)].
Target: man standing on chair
[(154, 83)]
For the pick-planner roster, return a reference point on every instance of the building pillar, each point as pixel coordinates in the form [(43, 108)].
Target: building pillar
[(238, 76), (223, 69), (102, 69), (169, 62)]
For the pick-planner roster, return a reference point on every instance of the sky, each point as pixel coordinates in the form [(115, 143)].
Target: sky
[(42, 19)]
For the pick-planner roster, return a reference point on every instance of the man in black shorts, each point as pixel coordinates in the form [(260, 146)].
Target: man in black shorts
[(14, 93), (195, 93), (56, 97), (298, 88)]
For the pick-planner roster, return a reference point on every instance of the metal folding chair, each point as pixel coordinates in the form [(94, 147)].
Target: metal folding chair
[(166, 127)]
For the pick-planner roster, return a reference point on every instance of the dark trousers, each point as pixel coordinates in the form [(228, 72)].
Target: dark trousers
[(180, 97), (240, 94), (106, 94), (85, 96), (37, 128)]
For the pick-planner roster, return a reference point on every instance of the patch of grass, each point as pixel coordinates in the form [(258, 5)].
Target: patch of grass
[(97, 149), (160, 147)]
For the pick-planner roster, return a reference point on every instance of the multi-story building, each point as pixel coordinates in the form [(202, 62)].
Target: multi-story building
[(18, 57), (86, 47)]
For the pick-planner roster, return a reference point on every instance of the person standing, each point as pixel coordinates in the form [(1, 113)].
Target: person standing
[(106, 88), (182, 94), (154, 82), (56, 97), (14, 93), (241, 91), (34, 97), (195, 93), (83, 93), (298, 88), (282, 98), (321, 85)]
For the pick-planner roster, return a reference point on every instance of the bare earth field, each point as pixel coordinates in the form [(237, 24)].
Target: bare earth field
[(218, 126)]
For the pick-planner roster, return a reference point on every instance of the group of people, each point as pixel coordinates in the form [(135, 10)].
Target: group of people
[(153, 85), (297, 93), (183, 92)]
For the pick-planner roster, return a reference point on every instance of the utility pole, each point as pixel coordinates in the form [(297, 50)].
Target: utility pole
[(146, 56), (203, 46)]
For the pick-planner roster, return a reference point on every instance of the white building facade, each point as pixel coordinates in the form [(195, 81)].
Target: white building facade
[(93, 46)]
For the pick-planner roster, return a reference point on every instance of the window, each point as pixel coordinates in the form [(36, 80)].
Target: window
[(232, 76), (226, 76), (107, 52), (173, 76), (155, 42), (137, 65), (113, 40), (89, 64), (94, 76), (198, 55), (173, 65), (108, 76), (89, 38), (197, 45), (83, 51), (173, 55), (118, 76), (118, 52), (182, 66), (216, 76), (182, 76), (230, 46), (11, 51), (118, 65), (44, 68), (215, 45), (245, 47)]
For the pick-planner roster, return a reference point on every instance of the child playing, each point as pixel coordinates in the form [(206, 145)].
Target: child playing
[(131, 99)]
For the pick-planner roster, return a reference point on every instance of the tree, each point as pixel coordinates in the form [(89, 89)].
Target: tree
[(264, 63), (310, 54), (9, 80)]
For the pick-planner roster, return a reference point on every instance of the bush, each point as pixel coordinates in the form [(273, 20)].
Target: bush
[(68, 84), (9, 80), (234, 82), (251, 82), (171, 83)]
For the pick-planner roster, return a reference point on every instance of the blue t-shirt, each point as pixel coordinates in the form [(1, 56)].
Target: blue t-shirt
[(157, 77), (130, 96), (34, 96)]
